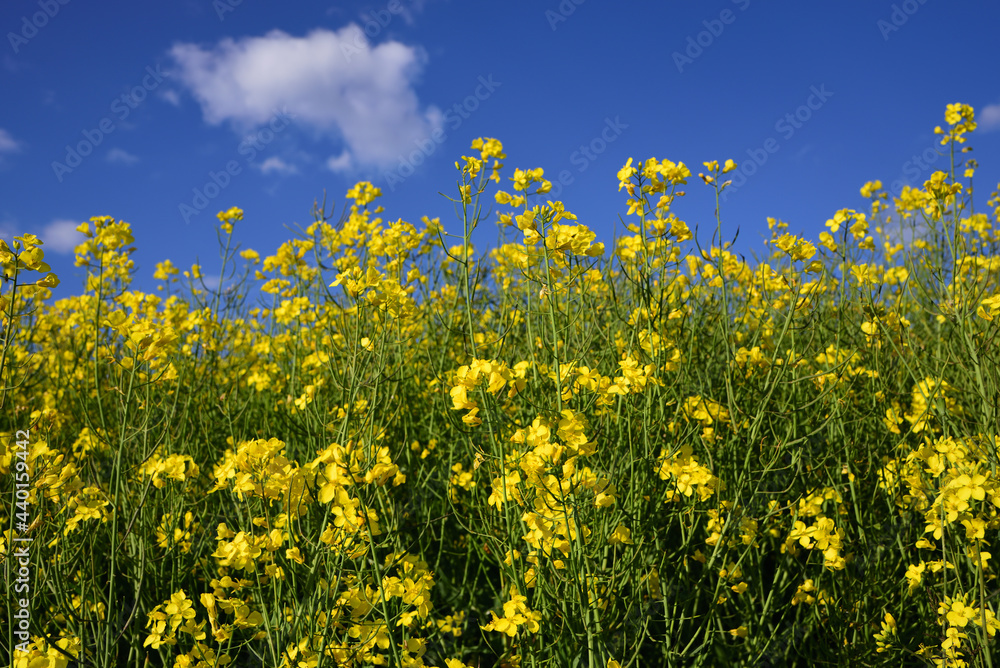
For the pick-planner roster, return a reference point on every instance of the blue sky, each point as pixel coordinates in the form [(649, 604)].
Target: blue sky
[(295, 98)]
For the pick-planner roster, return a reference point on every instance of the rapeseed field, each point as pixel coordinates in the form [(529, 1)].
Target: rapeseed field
[(379, 445)]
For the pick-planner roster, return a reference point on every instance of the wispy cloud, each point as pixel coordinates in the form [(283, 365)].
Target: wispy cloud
[(339, 163), (989, 117), (277, 165), (121, 157), (171, 96), (7, 143), (327, 81), (802, 152), (61, 236)]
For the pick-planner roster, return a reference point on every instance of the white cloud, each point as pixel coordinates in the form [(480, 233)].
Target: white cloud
[(276, 164), (989, 117), (802, 152), (122, 157), (333, 82), (339, 163), (61, 236), (7, 143), (172, 97)]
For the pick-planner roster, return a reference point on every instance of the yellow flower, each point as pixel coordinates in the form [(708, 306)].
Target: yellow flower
[(870, 188), (178, 609), (227, 218), (795, 248), (989, 308), (621, 535), (915, 575), (862, 274), (624, 176), (883, 639), (489, 148), (516, 614), (962, 117)]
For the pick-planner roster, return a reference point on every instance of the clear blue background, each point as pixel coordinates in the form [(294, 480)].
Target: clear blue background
[(563, 71)]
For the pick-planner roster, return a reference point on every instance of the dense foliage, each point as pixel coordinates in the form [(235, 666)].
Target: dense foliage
[(378, 446)]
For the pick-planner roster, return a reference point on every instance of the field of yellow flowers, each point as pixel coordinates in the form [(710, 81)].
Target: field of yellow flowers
[(378, 446)]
